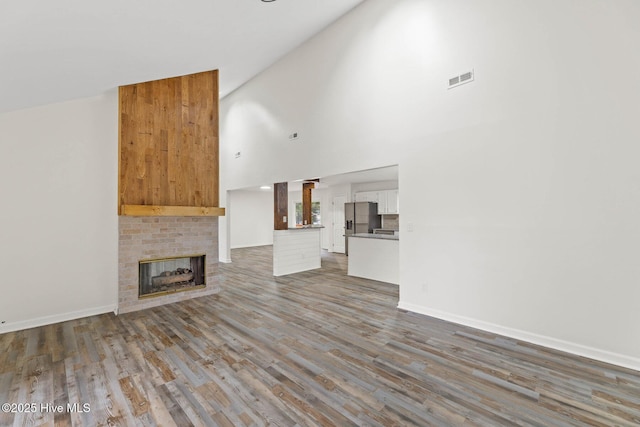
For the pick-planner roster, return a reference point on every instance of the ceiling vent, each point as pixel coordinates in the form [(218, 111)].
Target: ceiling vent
[(461, 79)]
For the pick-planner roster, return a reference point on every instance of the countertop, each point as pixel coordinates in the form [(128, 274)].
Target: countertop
[(306, 227), (377, 236)]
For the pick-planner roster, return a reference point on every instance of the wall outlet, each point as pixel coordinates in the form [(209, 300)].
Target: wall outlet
[(424, 288), (293, 135), (409, 226), (237, 155)]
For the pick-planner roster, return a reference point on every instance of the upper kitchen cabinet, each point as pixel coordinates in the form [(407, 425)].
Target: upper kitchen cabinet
[(367, 196), (387, 200), (390, 204)]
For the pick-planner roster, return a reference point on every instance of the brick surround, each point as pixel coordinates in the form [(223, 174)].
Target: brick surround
[(143, 238)]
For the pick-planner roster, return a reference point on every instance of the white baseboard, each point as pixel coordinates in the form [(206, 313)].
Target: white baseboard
[(224, 260), (56, 318), (251, 245), (545, 341)]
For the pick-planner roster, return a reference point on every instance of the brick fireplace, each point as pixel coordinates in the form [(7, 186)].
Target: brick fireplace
[(145, 238), (168, 202)]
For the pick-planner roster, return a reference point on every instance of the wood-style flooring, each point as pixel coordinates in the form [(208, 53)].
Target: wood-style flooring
[(313, 348)]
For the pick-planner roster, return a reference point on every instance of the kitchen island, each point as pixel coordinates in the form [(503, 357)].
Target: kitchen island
[(374, 256), (296, 249)]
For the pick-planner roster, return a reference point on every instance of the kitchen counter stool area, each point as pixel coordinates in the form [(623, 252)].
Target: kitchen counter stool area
[(375, 257)]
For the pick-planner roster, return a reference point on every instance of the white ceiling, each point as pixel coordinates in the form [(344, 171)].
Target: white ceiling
[(56, 50)]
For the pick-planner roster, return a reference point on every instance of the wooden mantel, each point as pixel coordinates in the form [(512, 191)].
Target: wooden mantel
[(149, 210), (169, 154)]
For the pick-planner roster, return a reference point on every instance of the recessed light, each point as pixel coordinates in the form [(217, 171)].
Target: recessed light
[(268, 1)]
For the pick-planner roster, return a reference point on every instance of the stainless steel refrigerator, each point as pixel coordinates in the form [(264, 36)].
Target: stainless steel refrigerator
[(359, 217)]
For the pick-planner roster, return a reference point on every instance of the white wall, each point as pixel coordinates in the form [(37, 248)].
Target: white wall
[(252, 219), (58, 221), (374, 186), (522, 187)]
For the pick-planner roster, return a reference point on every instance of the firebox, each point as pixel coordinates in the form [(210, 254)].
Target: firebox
[(167, 275)]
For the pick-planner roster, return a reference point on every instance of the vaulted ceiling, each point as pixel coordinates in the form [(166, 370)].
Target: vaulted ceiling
[(53, 51)]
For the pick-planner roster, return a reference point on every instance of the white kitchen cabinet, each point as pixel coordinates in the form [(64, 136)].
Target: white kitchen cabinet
[(367, 196), (382, 202), (387, 200), (392, 202)]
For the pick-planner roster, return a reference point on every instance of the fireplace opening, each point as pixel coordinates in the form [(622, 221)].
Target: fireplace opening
[(166, 275)]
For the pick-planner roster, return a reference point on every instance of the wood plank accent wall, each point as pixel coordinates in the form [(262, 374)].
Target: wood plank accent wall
[(169, 159), (280, 205)]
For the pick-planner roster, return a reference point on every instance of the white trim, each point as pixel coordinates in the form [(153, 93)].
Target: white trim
[(225, 260), (545, 341), (56, 318), (251, 245)]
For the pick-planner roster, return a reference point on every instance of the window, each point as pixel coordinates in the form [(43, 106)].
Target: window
[(315, 213)]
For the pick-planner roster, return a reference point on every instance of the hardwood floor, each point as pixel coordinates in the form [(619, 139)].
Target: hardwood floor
[(314, 348)]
